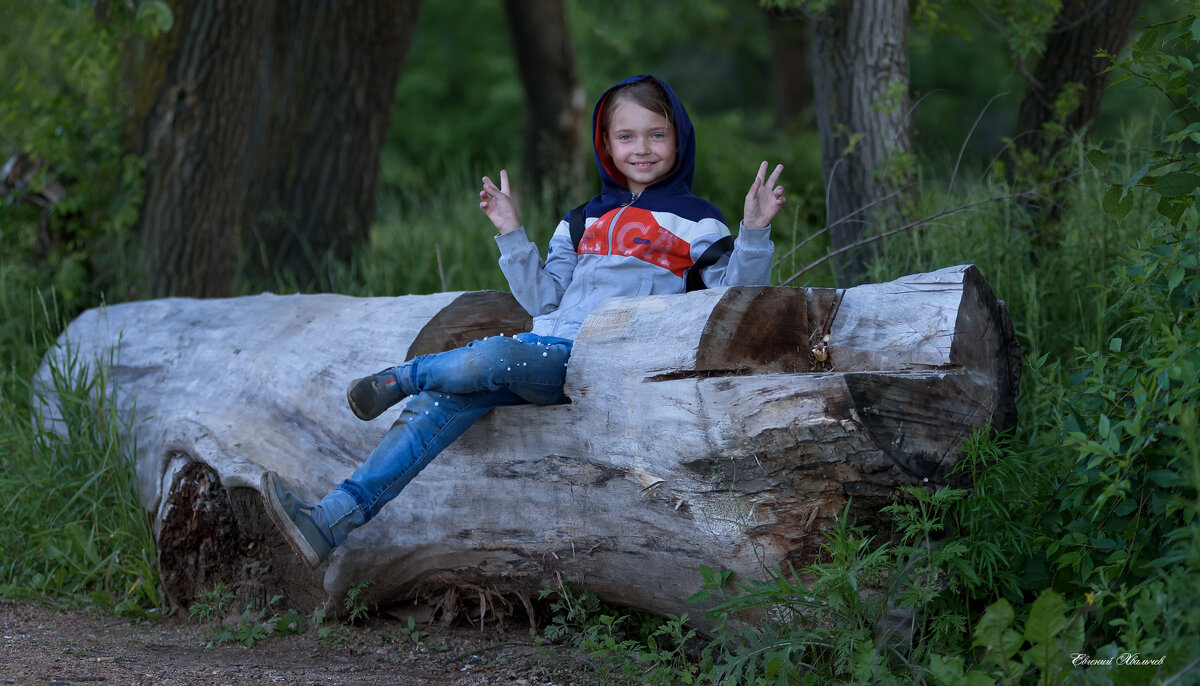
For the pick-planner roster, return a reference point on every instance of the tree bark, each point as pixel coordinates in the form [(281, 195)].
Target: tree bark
[(263, 124), (725, 428), (552, 156), (1082, 28), (860, 93), (790, 72), (322, 112), (195, 138)]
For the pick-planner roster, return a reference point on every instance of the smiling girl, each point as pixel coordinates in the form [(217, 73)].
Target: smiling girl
[(645, 233)]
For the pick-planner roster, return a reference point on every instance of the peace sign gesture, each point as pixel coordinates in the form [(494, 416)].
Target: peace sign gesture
[(498, 204), (764, 198)]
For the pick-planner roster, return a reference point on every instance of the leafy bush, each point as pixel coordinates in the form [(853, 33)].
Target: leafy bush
[(1052, 634), (63, 105)]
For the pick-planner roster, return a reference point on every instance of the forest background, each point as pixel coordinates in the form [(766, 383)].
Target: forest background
[(1080, 534)]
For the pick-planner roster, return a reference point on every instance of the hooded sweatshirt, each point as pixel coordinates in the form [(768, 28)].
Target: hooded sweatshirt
[(632, 244)]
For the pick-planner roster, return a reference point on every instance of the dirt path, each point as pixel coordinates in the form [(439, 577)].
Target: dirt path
[(42, 645)]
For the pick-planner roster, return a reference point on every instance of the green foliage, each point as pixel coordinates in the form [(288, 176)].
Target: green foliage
[(1023, 24), (433, 238), (574, 615), (289, 622), (974, 222), (62, 103), (249, 630), (211, 603), (629, 648), (1162, 60), (1125, 520), (256, 625), (251, 627), (729, 148), (873, 612), (459, 112), (356, 605), (74, 527), (808, 6), (659, 659), (411, 633), (1159, 620), (784, 630), (1125, 525), (459, 89), (1052, 634), (626, 37), (993, 521)]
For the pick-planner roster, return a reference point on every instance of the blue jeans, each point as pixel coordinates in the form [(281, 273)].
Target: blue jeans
[(449, 392)]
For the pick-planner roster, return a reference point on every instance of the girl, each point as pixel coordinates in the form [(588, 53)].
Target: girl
[(644, 233)]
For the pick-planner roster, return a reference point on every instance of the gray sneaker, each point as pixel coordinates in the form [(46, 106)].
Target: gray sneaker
[(294, 520), (371, 395)]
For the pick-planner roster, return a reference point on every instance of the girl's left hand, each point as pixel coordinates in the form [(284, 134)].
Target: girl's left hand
[(764, 198)]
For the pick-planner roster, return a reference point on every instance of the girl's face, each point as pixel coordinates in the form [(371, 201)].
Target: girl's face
[(641, 144)]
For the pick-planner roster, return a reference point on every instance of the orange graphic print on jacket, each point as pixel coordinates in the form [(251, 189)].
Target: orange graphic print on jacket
[(634, 232)]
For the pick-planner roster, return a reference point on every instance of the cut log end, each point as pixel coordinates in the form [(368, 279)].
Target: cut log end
[(766, 330), (211, 537)]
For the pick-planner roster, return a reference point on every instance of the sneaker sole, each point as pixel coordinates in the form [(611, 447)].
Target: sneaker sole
[(291, 533)]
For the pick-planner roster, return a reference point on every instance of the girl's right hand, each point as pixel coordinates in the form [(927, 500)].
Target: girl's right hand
[(498, 205)]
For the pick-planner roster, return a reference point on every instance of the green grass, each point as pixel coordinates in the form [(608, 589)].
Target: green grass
[(1056, 294), (74, 528)]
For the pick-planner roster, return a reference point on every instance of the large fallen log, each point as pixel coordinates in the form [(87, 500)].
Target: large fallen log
[(723, 428)]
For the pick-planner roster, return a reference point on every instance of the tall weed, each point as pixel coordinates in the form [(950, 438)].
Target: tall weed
[(1052, 294), (822, 624), (75, 529)]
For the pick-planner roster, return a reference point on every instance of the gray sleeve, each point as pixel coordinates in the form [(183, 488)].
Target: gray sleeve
[(538, 286), (749, 264)]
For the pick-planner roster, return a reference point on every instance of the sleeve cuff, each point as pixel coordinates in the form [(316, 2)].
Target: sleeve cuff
[(511, 241), (754, 236)]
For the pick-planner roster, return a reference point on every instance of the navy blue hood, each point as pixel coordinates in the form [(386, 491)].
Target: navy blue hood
[(672, 192)]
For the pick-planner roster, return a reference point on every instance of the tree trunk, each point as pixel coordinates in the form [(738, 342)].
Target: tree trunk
[(725, 428), (324, 103), (1082, 28), (790, 74), (263, 124), (860, 93), (552, 155), (195, 138)]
